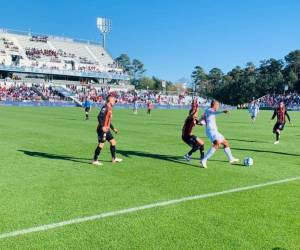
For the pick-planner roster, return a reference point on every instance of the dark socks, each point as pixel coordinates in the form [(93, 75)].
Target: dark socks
[(277, 136), (113, 152), (194, 149), (201, 151), (97, 153)]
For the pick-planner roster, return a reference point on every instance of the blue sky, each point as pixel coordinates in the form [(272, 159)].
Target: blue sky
[(170, 37)]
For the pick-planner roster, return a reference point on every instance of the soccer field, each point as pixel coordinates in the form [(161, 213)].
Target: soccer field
[(46, 178)]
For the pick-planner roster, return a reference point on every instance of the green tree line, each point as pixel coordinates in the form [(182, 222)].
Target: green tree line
[(240, 85), (136, 69)]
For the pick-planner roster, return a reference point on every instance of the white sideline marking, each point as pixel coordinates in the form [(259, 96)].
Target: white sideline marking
[(134, 209)]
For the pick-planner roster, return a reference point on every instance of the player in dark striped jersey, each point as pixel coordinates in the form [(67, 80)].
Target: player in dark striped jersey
[(104, 131), (188, 137), (280, 113), (149, 107), (195, 105)]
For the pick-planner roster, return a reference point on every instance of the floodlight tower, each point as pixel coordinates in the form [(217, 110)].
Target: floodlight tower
[(104, 25)]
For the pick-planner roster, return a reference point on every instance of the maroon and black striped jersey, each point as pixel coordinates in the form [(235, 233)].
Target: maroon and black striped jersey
[(281, 113), (104, 117), (194, 105), (188, 126)]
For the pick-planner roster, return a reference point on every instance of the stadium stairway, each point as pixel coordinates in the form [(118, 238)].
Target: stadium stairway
[(92, 54), (35, 89), (68, 94), (51, 46)]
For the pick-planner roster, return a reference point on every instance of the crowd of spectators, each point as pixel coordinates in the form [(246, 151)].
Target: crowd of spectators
[(23, 92), (34, 53), (42, 39), (9, 45), (56, 59), (291, 100), (12, 91), (84, 60), (98, 95), (17, 92)]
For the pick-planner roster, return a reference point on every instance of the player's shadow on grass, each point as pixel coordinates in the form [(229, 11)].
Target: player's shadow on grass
[(55, 156), (167, 124), (264, 151), (169, 158), (244, 140)]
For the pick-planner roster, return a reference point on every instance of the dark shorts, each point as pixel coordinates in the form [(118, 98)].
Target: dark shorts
[(278, 126), (103, 137), (191, 140), (87, 109)]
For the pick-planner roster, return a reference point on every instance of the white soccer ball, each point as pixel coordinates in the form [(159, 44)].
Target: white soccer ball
[(248, 162)]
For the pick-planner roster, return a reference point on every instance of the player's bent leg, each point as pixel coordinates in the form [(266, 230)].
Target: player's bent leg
[(189, 141), (200, 142), (216, 144), (188, 156), (228, 152), (201, 148), (97, 153), (113, 144), (277, 133), (210, 153), (196, 144)]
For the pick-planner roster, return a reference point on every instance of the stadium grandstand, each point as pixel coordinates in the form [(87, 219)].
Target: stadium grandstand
[(35, 59), (36, 68), (291, 100)]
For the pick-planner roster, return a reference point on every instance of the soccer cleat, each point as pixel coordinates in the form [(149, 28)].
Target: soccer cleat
[(97, 163), (117, 160), (276, 142), (203, 163), (187, 157), (201, 157), (234, 160)]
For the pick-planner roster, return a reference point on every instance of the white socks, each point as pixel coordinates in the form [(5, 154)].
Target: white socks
[(228, 154), (209, 153), (212, 150)]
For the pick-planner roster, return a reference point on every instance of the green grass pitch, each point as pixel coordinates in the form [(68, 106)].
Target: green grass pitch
[(45, 177)]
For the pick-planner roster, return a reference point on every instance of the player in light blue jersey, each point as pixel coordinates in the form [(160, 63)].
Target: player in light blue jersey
[(216, 138), (87, 104), (253, 110), (135, 105)]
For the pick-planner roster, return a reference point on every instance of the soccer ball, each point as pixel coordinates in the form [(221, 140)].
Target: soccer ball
[(248, 162)]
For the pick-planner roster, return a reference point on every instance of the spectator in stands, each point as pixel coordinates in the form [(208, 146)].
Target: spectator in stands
[(291, 100)]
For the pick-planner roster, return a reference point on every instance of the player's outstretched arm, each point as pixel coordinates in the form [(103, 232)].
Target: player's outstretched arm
[(274, 115), (288, 116), (199, 122), (210, 112)]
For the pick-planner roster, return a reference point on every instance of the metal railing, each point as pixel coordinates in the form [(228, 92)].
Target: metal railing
[(98, 75), (53, 37)]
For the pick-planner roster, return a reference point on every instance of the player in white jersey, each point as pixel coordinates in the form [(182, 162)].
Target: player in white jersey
[(216, 138), (253, 110)]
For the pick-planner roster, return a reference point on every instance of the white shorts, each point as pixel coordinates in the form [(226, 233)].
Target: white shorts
[(214, 135), (254, 114)]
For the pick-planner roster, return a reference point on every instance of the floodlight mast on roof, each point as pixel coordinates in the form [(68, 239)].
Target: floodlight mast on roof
[(104, 25)]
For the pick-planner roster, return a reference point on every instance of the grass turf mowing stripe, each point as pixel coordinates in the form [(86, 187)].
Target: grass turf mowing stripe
[(139, 208)]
